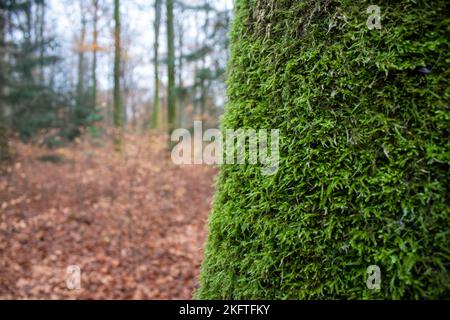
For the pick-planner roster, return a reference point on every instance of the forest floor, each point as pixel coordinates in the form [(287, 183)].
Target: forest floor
[(134, 224)]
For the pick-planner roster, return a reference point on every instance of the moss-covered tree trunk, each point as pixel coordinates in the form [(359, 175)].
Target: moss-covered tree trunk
[(363, 179)]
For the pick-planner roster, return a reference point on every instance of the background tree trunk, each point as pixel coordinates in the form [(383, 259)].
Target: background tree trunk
[(117, 99), (203, 66), (4, 150), (156, 101), (81, 66), (171, 68), (181, 89), (94, 53), (41, 39)]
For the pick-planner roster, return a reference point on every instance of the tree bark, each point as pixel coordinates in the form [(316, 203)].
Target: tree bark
[(4, 150), (117, 99), (156, 101), (94, 54), (203, 70), (81, 66), (171, 67), (181, 92)]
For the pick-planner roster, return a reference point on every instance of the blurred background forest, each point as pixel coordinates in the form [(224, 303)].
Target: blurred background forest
[(89, 90)]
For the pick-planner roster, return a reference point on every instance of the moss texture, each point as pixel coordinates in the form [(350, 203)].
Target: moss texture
[(364, 173)]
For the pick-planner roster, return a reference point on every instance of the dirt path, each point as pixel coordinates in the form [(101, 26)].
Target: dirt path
[(134, 225)]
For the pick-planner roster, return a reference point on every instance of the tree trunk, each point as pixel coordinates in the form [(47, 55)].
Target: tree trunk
[(357, 207), (94, 54), (40, 37), (2, 52), (117, 100), (196, 68), (181, 92), (156, 101), (4, 150), (171, 68), (81, 67), (203, 70)]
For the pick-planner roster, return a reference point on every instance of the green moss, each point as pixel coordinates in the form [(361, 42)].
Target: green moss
[(364, 172)]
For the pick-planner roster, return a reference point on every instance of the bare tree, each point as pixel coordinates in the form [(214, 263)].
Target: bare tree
[(156, 101), (81, 53), (171, 93), (117, 97), (95, 46)]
